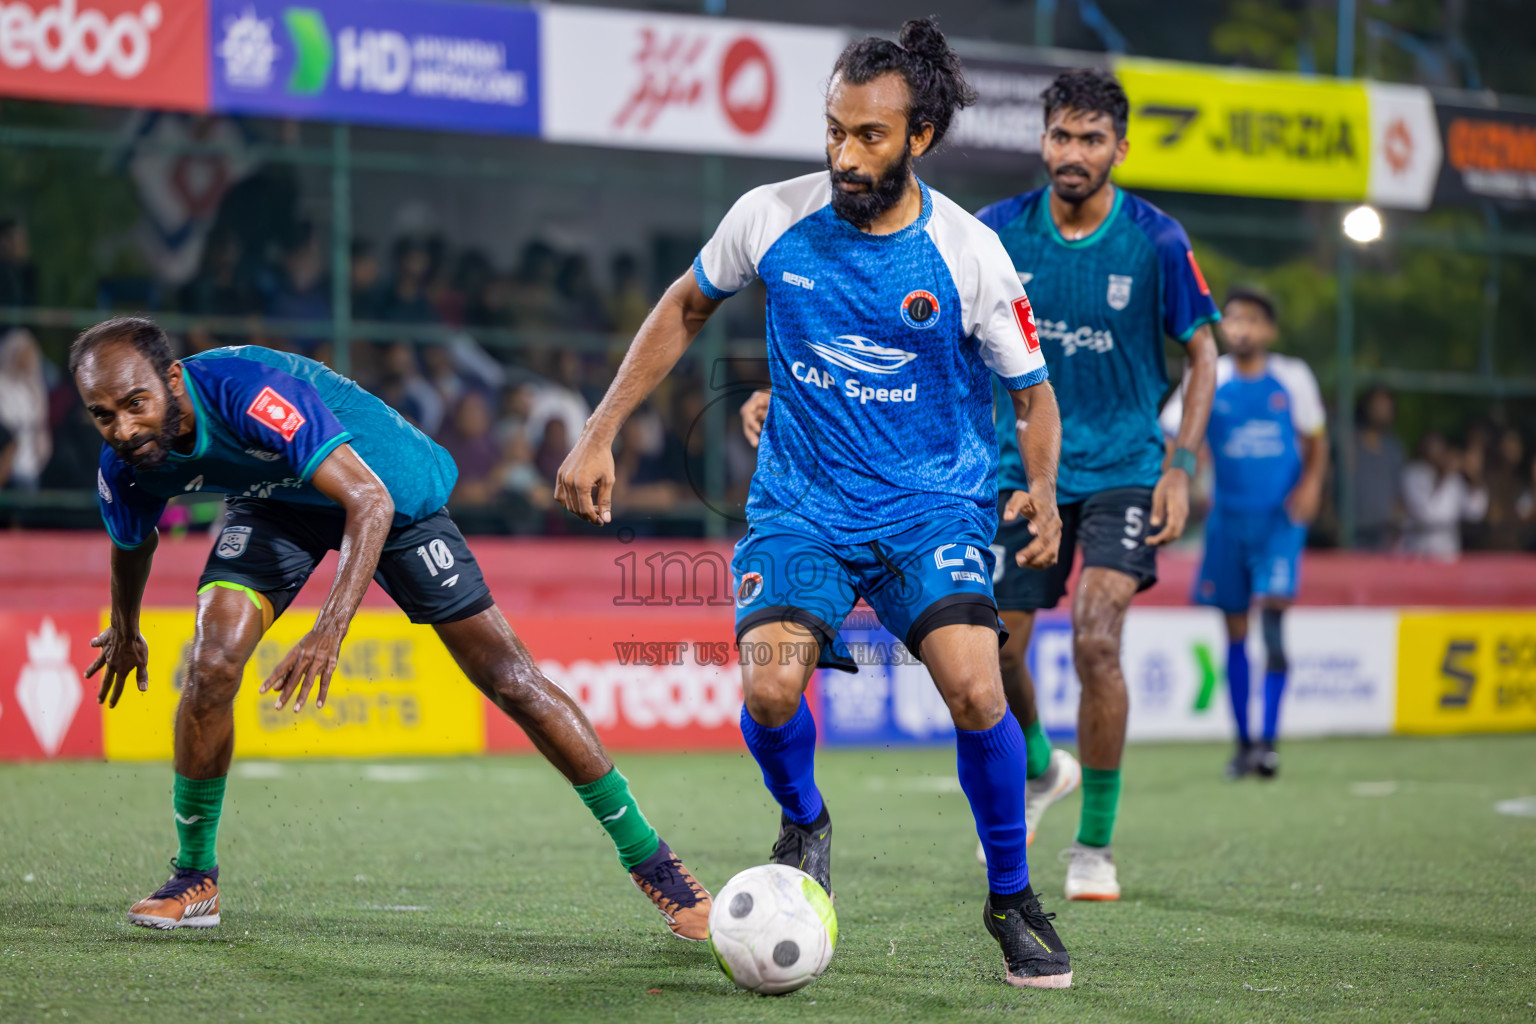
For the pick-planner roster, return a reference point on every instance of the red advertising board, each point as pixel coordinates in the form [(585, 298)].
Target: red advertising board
[(46, 709), (647, 683), (121, 53)]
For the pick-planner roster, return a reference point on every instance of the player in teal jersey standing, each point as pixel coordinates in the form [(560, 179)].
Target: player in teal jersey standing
[(1109, 275)]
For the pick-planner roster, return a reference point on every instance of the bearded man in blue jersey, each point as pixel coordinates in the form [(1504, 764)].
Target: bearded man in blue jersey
[(311, 463), (890, 312), (1110, 275)]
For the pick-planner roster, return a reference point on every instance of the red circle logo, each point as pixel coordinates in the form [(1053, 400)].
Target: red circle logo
[(746, 85)]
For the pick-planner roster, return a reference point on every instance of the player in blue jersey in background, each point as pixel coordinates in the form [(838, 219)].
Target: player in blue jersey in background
[(1268, 445), (890, 310), (311, 463), (1109, 275)]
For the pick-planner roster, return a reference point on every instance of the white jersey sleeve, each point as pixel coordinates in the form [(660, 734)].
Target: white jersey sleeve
[(1296, 377), (993, 307), (1172, 416), (728, 262)]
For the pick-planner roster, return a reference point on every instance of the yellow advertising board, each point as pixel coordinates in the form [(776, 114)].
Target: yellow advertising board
[(397, 691), (1466, 672), (1237, 132)]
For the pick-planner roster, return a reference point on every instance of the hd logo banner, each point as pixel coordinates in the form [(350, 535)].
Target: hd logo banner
[(454, 66)]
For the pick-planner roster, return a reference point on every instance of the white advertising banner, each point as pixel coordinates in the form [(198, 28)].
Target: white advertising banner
[(690, 84), (1343, 673), (1405, 146)]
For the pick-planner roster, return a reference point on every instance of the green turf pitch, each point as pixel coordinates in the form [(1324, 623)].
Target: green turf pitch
[(480, 889)]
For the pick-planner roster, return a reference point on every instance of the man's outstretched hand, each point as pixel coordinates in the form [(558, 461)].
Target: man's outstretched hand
[(120, 654), (311, 662)]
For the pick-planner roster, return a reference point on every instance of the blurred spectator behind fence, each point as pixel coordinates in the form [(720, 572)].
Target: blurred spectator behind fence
[(470, 438), (406, 301), (1505, 479), (628, 303), (404, 389), (367, 279), (1378, 468), (1442, 489), (24, 410), (300, 288), (18, 274)]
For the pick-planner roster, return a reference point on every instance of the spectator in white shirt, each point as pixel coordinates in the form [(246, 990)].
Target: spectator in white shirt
[(1439, 497)]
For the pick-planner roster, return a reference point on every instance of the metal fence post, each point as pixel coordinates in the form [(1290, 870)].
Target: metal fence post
[(1344, 413), (341, 249), (711, 355)]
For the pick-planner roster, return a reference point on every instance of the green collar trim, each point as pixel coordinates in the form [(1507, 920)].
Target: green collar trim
[(1098, 232), (201, 446)]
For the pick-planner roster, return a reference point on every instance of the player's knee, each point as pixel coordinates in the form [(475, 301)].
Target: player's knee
[(976, 707), (518, 687), (1094, 649), (772, 694), (211, 678), (1274, 640)]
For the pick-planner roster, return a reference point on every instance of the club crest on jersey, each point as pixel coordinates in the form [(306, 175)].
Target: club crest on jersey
[(751, 586), (275, 412), (920, 310), (1119, 291), (233, 541)]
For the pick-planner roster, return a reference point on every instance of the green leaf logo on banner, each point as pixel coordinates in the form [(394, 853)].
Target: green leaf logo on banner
[(312, 50)]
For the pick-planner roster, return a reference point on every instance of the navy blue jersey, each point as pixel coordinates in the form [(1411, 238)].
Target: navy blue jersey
[(1103, 304), (882, 350), (1255, 431), (265, 422)]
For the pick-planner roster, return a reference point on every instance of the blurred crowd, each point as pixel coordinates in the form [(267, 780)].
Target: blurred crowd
[(509, 416), (1475, 494)]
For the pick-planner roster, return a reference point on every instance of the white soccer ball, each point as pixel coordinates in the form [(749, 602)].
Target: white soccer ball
[(772, 929)]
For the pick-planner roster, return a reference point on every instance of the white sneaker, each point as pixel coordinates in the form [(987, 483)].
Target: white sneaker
[(1061, 778), (1090, 873)]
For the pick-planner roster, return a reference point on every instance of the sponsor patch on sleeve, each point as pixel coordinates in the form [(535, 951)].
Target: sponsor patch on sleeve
[(272, 410), (1024, 316)]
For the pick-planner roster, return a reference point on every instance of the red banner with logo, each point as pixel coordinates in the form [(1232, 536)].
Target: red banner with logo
[(121, 53), (46, 708), (646, 683)]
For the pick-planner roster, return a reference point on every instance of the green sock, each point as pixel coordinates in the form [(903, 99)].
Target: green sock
[(1037, 750), (615, 809), (1101, 798), (197, 803)]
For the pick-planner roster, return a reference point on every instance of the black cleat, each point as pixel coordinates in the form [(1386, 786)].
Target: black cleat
[(1033, 954), (1242, 761), (807, 847), (1266, 761)]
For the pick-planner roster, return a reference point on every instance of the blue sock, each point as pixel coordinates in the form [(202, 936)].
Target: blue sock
[(787, 756), (1274, 689), (992, 773), (1237, 686)]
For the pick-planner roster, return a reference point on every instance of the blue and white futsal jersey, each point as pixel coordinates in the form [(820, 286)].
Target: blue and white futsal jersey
[(1103, 304), (1252, 548), (882, 350), (265, 422), (1255, 430)]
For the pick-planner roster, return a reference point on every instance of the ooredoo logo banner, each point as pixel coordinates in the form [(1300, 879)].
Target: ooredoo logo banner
[(458, 66), (126, 53), (701, 85)]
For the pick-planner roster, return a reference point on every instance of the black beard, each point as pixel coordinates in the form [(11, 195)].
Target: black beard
[(1087, 192), (136, 451), (862, 208)]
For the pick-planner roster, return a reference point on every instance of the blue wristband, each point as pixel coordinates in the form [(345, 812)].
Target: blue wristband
[(1184, 459)]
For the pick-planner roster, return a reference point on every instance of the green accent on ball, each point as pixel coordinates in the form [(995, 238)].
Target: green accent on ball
[(725, 968), (816, 896)]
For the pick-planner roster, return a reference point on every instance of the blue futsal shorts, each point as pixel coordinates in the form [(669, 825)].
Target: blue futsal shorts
[(1249, 555), (936, 574)]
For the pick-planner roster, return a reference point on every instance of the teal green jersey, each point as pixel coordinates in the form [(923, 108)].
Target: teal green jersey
[(1102, 305)]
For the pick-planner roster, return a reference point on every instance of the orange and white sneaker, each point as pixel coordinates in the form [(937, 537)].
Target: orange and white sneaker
[(189, 900), (675, 892)]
